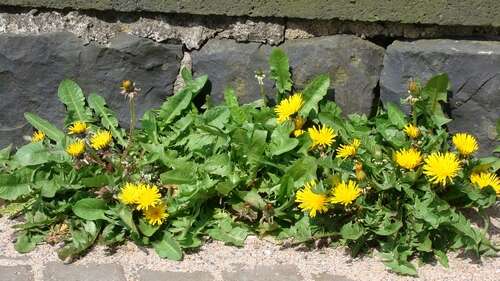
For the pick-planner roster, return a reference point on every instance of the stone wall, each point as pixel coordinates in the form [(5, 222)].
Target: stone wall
[(367, 59)]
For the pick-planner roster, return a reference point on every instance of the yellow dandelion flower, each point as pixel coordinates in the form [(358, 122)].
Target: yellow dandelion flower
[(298, 133), (101, 140), (345, 151), (412, 131), (78, 127), (484, 179), (441, 167), (76, 148), (345, 193), (156, 215), (37, 136), (310, 201), (408, 158), (466, 144), (288, 107), (129, 193), (321, 136), (149, 196)]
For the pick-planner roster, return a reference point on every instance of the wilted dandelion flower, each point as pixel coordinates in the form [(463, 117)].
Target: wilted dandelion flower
[(349, 150), (37, 136), (156, 215), (77, 127), (149, 196), (129, 193), (466, 144), (345, 193), (408, 158), (321, 136), (310, 201), (441, 167), (298, 124), (484, 179), (288, 107), (76, 148), (412, 131), (101, 140)]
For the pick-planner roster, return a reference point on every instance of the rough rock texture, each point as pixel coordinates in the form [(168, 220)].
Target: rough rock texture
[(32, 66), (474, 71), (484, 12), (101, 27), (353, 65)]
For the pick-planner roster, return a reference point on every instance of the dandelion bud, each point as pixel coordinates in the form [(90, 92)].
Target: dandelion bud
[(413, 87), (360, 174), (127, 86)]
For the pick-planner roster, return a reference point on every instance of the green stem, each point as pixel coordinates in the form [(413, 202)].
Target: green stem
[(262, 93), (131, 127)]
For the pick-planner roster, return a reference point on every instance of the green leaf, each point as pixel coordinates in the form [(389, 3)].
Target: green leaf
[(314, 92), (402, 267), (175, 104), (280, 70), (352, 231), (186, 74), (387, 228), (12, 187), (146, 228), (436, 91), (237, 113), (252, 198), (82, 239), (281, 141), (24, 243), (167, 247), (108, 118), (72, 96), (48, 188), (396, 116), (233, 236), (45, 126), (90, 209), (5, 153), (36, 154), (125, 214)]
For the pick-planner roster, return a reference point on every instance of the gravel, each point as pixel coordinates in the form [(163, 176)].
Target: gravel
[(216, 258)]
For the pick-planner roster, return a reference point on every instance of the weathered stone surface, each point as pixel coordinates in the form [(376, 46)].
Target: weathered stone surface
[(233, 64), (101, 27), (94, 272), (149, 275), (32, 66), (264, 273), (484, 12), (353, 65), (474, 71), (16, 273)]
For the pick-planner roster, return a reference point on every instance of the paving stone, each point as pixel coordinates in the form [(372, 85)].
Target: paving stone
[(94, 272), (264, 273), (149, 275), (330, 277), (16, 273)]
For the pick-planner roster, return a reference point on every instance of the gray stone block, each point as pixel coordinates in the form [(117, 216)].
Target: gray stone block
[(16, 273), (32, 66), (474, 71), (353, 65), (149, 275), (94, 272), (264, 273)]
